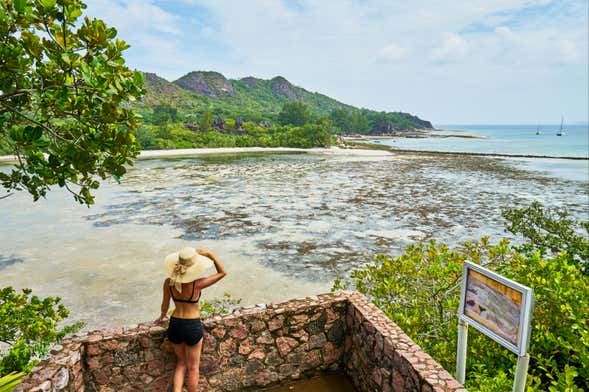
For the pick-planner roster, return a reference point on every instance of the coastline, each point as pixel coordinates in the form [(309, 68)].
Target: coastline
[(414, 134), (392, 149), (154, 154), (359, 145), (187, 152)]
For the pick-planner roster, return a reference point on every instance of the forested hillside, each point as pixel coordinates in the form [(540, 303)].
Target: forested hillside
[(206, 109)]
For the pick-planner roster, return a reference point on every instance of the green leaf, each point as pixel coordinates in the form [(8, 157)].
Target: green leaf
[(81, 119), (48, 3), (17, 134), (34, 133), (10, 381), (19, 5), (74, 12)]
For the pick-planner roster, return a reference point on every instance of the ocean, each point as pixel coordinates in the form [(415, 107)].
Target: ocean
[(502, 139)]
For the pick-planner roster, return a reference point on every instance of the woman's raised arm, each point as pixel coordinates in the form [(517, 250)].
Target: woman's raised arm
[(210, 280)]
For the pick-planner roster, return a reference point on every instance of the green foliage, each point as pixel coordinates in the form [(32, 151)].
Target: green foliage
[(419, 290), (355, 121), (257, 101), (358, 122), (219, 306), (350, 121), (10, 381), (294, 113), (550, 229), (178, 136), (205, 120), (28, 325), (164, 113), (63, 82)]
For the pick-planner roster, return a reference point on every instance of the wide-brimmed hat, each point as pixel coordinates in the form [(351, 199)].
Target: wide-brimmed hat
[(185, 266)]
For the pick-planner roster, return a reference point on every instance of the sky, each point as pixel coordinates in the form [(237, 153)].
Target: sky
[(447, 61)]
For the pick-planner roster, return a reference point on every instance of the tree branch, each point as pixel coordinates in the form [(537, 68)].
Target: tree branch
[(51, 131), (51, 35), (21, 91), (16, 92)]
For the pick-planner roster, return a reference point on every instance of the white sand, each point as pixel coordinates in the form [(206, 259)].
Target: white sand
[(151, 154), (147, 154), (7, 158)]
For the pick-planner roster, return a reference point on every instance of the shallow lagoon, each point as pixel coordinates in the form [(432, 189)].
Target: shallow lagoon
[(284, 224)]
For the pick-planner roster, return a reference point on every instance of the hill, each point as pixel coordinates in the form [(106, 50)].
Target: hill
[(260, 101)]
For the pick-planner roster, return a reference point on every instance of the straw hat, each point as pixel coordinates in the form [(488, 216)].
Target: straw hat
[(185, 266)]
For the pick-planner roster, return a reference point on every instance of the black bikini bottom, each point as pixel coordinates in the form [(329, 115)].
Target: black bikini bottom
[(187, 331)]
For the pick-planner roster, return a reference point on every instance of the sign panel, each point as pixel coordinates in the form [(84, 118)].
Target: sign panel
[(498, 307)]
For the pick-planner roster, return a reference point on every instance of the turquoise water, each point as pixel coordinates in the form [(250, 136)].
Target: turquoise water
[(503, 139)]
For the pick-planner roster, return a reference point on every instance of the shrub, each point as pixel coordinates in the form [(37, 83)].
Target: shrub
[(28, 325), (419, 290)]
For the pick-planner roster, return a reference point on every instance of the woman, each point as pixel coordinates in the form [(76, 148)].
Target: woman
[(185, 286)]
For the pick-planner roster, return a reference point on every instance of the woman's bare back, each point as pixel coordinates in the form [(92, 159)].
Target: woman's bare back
[(190, 292)]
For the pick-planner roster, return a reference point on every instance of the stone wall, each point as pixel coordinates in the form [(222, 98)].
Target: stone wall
[(379, 356), (250, 349)]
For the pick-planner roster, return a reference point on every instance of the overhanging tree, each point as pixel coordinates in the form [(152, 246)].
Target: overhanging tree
[(64, 94)]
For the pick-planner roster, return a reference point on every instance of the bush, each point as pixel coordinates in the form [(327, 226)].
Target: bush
[(28, 325), (219, 306), (176, 135), (419, 290), (550, 230)]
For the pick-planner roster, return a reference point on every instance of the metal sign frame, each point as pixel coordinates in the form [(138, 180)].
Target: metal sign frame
[(525, 315), (493, 284)]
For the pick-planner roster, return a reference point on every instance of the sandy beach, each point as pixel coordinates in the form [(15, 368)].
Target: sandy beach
[(149, 154), (154, 154)]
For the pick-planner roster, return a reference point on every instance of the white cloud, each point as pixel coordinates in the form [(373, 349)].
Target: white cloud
[(568, 50), (374, 53), (154, 34), (392, 52), (136, 17), (506, 33), (452, 49)]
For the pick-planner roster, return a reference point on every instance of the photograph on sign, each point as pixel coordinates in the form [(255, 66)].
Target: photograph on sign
[(494, 305)]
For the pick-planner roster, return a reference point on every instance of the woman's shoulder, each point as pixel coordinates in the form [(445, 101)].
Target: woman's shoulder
[(196, 282)]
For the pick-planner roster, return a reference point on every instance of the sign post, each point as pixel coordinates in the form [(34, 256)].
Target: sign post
[(461, 357), (499, 308)]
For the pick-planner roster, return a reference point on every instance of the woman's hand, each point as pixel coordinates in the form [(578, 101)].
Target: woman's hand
[(206, 253), (209, 280), (161, 318)]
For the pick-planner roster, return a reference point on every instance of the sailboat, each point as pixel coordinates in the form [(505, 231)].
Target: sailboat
[(561, 131), (538, 130)]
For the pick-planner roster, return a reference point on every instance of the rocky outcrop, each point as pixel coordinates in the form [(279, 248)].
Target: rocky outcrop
[(158, 89), (209, 84), (218, 124), (282, 87), (251, 82), (192, 127)]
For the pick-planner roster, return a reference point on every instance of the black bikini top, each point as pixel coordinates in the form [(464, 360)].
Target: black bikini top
[(186, 300)]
